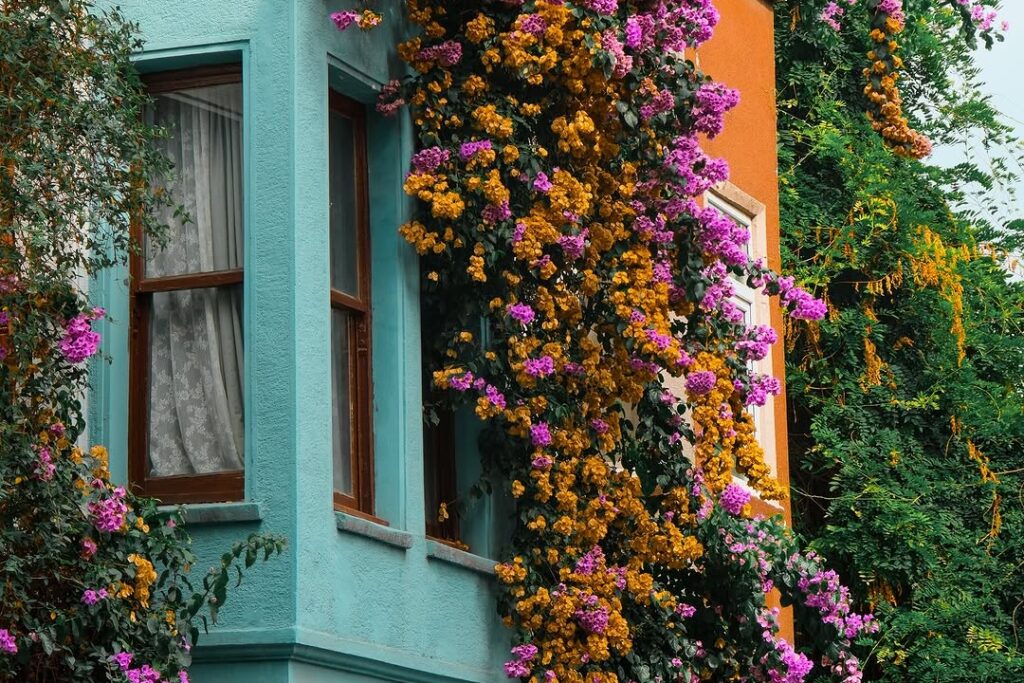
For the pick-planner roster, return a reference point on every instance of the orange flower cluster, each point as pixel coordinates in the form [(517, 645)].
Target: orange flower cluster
[(594, 507), (885, 105), (726, 444), (938, 265)]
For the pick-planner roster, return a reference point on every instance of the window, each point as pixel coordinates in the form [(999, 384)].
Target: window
[(756, 307), (440, 448), (466, 501), (186, 406), (440, 486), (739, 216), (351, 390), (749, 213)]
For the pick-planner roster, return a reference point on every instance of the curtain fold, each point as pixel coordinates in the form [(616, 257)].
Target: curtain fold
[(196, 344)]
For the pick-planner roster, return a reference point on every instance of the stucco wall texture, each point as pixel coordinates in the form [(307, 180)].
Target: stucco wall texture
[(340, 605), (345, 605)]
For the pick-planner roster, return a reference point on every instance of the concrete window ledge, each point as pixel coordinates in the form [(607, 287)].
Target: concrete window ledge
[(460, 558), (217, 513), (351, 524)]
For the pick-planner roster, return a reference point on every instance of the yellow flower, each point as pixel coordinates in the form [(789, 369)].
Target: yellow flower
[(490, 121), (416, 234), (476, 269), (474, 86), (511, 572), (447, 205), (479, 29), (101, 469), (494, 189), (368, 20), (145, 576)]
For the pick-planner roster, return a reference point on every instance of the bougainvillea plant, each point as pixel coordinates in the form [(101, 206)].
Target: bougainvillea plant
[(572, 271), (94, 582)]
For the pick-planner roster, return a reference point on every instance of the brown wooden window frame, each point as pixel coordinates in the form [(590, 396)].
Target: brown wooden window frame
[(440, 439), (361, 502), (186, 488), (440, 466)]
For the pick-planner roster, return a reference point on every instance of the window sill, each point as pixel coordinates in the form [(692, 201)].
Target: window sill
[(443, 552), (355, 512), (351, 524), (195, 514)]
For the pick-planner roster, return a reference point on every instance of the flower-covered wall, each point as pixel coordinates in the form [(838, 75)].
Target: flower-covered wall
[(564, 199), (741, 54)]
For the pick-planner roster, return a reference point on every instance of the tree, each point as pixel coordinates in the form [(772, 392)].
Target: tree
[(93, 581), (907, 410)]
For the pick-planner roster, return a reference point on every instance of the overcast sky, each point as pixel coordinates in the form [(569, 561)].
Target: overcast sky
[(1002, 69)]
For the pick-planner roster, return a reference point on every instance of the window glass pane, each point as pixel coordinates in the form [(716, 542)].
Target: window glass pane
[(432, 496), (196, 414), (341, 390), (344, 206), (204, 126), (439, 469), (736, 217)]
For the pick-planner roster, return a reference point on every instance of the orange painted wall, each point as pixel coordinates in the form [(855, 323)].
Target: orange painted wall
[(742, 55)]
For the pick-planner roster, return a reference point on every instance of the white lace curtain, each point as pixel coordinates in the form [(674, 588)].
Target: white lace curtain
[(195, 402)]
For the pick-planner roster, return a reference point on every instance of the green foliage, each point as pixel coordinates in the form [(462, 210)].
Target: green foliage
[(87, 570), (907, 405)]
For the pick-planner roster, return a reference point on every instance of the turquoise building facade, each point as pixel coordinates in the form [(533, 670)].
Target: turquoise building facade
[(352, 600)]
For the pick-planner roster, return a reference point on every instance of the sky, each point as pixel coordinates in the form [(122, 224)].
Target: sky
[(1002, 70)]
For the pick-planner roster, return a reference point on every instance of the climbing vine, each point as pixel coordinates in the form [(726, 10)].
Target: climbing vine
[(570, 272), (887, 20), (907, 410), (885, 106)]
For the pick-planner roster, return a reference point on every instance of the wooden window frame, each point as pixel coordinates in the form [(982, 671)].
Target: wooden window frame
[(187, 488), (361, 502), (441, 437)]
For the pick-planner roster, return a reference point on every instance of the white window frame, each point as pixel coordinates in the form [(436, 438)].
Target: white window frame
[(756, 306), (752, 214)]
